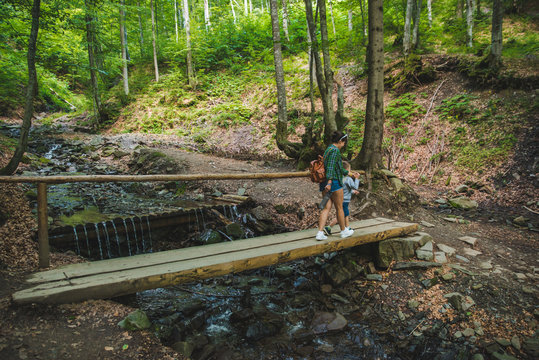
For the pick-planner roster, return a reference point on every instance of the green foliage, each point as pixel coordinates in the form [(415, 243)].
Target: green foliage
[(457, 108), (402, 110)]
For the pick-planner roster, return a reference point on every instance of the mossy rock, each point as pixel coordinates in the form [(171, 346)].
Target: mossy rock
[(89, 215), (137, 320)]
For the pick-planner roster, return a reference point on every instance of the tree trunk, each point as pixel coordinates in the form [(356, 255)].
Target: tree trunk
[(186, 20), (362, 8), (350, 18), (496, 36), (124, 48), (308, 139), (460, 7), (291, 150), (285, 20), (245, 7), (417, 18), (207, 14), (176, 20), (154, 41), (330, 124), (233, 12), (31, 92), (429, 11), (332, 18), (370, 155), (91, 39), (406, 42), (469, 22), (141, 32)]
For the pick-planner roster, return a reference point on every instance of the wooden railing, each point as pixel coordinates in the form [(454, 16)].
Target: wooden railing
[(42, 181)]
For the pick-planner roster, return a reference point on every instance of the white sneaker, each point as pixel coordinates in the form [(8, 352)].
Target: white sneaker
[(346, 233), (321, 236)]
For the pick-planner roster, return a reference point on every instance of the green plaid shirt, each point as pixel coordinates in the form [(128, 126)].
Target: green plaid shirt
[(333, 164)]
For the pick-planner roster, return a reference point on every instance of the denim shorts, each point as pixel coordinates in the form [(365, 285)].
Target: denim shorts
[(345, 208), (335, 185)]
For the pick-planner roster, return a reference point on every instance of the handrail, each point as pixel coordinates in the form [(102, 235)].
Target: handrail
[(145, 178), (42, 181)]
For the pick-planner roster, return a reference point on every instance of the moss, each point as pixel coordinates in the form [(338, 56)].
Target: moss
[(89, 215)]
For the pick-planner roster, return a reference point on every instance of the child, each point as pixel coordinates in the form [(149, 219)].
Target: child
[(350, 185)]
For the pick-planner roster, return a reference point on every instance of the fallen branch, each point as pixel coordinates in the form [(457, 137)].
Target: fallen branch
[(530, 210)]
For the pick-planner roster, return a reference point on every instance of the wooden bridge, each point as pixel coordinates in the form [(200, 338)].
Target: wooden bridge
[(122, 276)]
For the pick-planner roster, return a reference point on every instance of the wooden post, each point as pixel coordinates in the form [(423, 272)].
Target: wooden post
[(42, 225)]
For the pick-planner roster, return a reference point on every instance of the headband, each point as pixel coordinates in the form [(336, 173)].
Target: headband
[(344, 137)]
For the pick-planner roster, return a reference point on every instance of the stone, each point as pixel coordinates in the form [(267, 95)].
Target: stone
[(441, 201), (515, 342), (531, 346), (342, 270), (520, 221), (428, 283), (324, 322), (424, 255), (183, 347), (388, 173), (412, 304), (261, 213), (500, 356), (468, 332), (448, 276), (459, 302), (234, 230), (284, 271), (210, 237), (479, 332), (520, 276), (401, 316), (384, 287), (477, 357), (485, 265), (468, 240), (462, 258), (471, 252), (446, 249), (458, 334), (453, 220), (396, 184), (137, 320), (464, 203), (326, 288), (503, 342), (426, 224), (462, 189), (439, 257), (399, 248), (339, 298), (241, 191), (417, 265), (374, 277), (427, 247), (371, 269)]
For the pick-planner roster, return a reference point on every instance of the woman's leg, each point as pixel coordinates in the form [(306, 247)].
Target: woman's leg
[(324, 214), (337, 198)]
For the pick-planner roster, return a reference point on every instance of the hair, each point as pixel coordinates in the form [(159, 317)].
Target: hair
[(337, 136), (346, 165)]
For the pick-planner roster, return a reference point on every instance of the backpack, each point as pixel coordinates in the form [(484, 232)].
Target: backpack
[(317, 170)]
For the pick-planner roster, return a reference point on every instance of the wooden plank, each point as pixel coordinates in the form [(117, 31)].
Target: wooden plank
[(162, 275), (110, 265)]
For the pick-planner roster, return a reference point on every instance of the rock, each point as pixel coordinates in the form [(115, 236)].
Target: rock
[(486, 265), (428, 283), (479, 332), (241, 191), (412, 304), (499, 356), (210, 237), (284, 271), (326, 288), (450, 219), (384, 287), (401, 316), (324, 322), (396, 183), (371, 269), (137, 320), (471, 252), (439, 257), (183, 347), (503, 342), (515, 342), (462, 189), (468, 332), (520, 221), (458, 334), (441, 201), (448, 276), (427, 247), (468, 240), (463, 202), (264, 328), (520, 276), (446, 249), (399, 248), (477, 357), (459, 302), (374, 277), (342, 270), (424, 255), (462, 258), (418, 265), (339, 299), (426, 224), (531, 346), (234, 230), (388, 173)]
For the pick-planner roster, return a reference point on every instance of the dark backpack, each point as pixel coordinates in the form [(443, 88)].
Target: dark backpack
[(317, 171)]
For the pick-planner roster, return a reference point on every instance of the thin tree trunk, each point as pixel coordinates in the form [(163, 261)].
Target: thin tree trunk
[(190, 72), (91, 39), (207, 14), (31, 92), (176, 20), (331, 126), (285, 20), (370, 155), (362, 8), (429, 11), (350, 18), (282, 123), (332, 18), (124, 48), (245, 7), (309, 131), (460, 7), (154, 43), (233, 12), (497, 35), (469, 22), (406, 42), (417, 18), (141, 32)]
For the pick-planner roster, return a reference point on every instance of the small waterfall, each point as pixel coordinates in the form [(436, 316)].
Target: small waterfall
[(135, 234), (142, 235), (117, 238), (87, 241), (198, 224), (127, 237), (203, 220), (76, 240), (99, 241), (107, 239), (235, 210), (149, 233)]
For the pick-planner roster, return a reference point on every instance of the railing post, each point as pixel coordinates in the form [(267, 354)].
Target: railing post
[(42, 225)]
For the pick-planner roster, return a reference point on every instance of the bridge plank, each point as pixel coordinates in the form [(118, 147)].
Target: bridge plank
[(126, 281), (111, 265)]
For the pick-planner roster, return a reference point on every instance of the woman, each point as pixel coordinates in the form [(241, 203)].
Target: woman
[(334, 184)]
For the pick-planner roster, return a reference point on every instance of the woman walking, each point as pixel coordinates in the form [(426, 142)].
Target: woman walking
[(333, 185)]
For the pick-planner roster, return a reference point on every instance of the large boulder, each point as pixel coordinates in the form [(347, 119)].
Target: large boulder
[(401, 248), (463, 202)]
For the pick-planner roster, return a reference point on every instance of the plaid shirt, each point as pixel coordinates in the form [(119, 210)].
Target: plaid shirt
[(333, 164)]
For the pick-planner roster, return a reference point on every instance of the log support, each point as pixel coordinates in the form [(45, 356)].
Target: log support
[(42, 225)]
